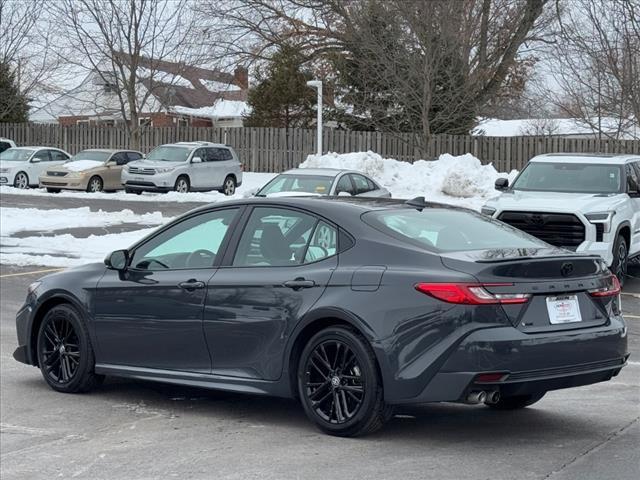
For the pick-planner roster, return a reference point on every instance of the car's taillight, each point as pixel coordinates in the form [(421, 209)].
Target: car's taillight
[(611, 289), (470, 293)]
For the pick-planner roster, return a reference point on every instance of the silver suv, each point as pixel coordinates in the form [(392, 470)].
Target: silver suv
[(185, 167)]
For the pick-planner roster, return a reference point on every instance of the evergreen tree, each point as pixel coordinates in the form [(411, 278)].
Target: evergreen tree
[(281, 97), (14, 106)]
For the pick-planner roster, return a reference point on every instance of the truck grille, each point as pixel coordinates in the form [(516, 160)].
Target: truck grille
[(558, 229), (142, 171), (56, 174)]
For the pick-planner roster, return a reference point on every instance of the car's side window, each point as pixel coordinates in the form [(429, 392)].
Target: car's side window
[(58, 156), (361, 184), (218, 154), (636, 165), (633, 182), (201, 153), (323, 244), (134, 156), (274, 237), (344, 185), (192, 243), (120, 158), (42, 155)]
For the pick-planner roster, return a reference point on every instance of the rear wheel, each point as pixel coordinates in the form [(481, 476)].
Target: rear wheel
[(21, 180), (620, 259), (229, 186), (516, 402), (95, 184), (182, 185), (339, 384), (65, 354)]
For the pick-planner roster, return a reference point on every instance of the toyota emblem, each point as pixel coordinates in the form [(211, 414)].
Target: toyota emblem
[(566, 269)]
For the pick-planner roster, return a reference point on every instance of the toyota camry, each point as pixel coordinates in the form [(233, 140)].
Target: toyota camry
[(351, 305)]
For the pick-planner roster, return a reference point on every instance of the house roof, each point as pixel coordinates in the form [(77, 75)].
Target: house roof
[(495, 127)]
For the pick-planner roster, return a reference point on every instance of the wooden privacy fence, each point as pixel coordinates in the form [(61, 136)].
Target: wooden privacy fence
[(278, 149)]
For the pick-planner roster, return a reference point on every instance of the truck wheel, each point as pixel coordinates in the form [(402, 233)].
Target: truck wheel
[(620, 259)]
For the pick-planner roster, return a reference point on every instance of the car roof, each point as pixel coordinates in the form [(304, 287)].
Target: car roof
[(596, 158), (108, 150), (329, 172), (195, 144)]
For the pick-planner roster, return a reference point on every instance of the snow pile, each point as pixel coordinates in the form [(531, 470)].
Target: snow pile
[(13, 220), (82, 165), (460, 180)]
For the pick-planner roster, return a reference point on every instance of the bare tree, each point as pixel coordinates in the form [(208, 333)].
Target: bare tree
[(540, 127), (597, 66), (125, 42), (422, 65), (25, 46)]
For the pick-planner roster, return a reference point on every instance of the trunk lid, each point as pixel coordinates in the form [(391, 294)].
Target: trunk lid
[(558, 282)]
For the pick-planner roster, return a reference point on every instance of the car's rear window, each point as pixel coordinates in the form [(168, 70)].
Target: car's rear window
[(318, 184), (446, 230)]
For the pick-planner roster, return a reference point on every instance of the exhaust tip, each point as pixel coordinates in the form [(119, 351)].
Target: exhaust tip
[(477, 397), (492, 397)]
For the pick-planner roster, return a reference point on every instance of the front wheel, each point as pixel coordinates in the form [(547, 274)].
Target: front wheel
[(620, 259), (65, 354), (95, 184), (339, 384), (182, 185), (21, 181), (516, 402)]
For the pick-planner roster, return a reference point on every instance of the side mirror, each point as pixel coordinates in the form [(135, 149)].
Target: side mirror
[(502, 184), (196, 160), (36, 160), (117, 260), (344, 194)]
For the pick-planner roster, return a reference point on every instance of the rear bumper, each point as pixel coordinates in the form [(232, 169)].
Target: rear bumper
[(529, 362)]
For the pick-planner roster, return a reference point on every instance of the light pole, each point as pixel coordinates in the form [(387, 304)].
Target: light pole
[(318, 84)]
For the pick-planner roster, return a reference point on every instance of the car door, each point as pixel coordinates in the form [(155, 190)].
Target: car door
[(218, 166), (280, 267), (38, 163), (58, 157), (113, 171), (150, 315), (633, 190), (199, 171)]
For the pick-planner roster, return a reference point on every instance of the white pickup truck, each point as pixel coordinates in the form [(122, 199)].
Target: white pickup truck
[(582, 202)]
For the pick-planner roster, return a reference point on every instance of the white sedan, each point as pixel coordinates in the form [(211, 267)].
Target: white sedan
[(322, 181), (21, 166)]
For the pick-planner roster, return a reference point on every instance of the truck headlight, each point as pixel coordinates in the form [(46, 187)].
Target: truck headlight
[(604, 218)]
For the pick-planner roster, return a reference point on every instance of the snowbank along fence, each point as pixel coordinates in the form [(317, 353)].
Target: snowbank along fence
[(278, 149)]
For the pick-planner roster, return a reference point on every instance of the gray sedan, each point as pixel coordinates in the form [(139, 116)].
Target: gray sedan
[(322, 181)]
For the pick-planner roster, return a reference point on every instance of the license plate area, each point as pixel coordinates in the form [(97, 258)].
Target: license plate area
[(563, 309)]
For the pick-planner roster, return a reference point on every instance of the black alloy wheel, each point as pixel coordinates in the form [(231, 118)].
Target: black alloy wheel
[(339, 384), (65, 355)]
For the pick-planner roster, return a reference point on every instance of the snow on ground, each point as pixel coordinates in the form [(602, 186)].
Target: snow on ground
[(461, 180), (250, 184), (14, 220)]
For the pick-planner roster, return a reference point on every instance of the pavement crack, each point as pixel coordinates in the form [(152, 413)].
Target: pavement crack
[(593, 448)]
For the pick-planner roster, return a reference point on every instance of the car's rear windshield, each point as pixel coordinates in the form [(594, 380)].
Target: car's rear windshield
[(318, 184), (446, 230), (16, 155), (91, 155), (169, 154), (570, 178)]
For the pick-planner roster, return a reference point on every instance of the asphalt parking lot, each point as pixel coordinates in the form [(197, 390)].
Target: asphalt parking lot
[(138, 430)]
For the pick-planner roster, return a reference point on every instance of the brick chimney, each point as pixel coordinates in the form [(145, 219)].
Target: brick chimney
[(241, 77)]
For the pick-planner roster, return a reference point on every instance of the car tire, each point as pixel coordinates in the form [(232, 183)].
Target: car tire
[(516, 402), (620, 259), (229, 186), (95, 184), (182, 184), (53, 190), (65, 353), (21, 181), (339, 384)]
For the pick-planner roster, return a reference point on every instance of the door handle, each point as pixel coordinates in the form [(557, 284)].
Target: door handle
[(192, 284), (299, 283)]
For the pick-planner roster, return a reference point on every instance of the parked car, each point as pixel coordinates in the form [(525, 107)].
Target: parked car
[(352, 305), (185, 167), (21, 166), (93, 170), (5, 144), (585, 203), (322, 181)]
